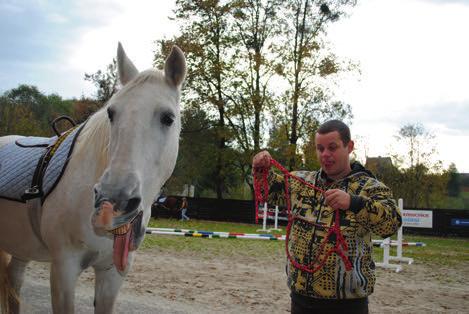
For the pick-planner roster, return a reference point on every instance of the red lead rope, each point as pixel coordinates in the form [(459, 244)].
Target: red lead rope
[(340, 247)]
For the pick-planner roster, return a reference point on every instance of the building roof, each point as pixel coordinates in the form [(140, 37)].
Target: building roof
[(377, 164)]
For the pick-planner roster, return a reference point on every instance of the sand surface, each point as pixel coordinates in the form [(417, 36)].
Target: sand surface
[(168, 282)]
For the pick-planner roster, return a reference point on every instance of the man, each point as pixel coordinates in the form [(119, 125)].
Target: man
[(365, 206)]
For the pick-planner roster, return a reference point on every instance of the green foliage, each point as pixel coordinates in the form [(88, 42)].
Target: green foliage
[(106, 82), (84, 107), (235, 52), (205, 38), (454, 182), (197, 151), (26, 111), (306, 64), (417, 177)]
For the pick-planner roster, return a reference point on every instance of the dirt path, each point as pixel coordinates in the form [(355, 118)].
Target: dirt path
[(168, 283)]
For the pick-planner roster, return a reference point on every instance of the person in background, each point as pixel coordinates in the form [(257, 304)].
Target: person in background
[(184, 206), (365, 206)]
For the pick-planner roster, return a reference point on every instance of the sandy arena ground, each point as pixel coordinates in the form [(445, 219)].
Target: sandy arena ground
[(163, 282)]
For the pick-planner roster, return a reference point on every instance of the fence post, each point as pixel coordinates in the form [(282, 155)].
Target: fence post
[(386, 245), (275, 221), (276, 217), (400, 237), (264, 221)]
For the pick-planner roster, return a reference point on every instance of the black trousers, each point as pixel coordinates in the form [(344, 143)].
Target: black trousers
[(305, 305)]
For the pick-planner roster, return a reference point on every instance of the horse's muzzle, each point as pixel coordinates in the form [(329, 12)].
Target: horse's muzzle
[(114, 217)]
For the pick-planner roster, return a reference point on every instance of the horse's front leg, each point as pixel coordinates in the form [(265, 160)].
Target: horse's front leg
[(107, 285), (65, 270), (16, 270)]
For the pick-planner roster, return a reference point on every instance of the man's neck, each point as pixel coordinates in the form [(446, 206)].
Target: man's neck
[(339, 176)]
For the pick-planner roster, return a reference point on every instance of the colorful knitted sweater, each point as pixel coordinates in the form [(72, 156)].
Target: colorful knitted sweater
[(372, 210)]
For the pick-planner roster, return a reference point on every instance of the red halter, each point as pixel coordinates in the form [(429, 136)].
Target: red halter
[(340, 246)]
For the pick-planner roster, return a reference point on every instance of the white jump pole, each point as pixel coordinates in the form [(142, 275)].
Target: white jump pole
[(400, 237), (275, 221), (264, 220), (386, 257), (276, 217)]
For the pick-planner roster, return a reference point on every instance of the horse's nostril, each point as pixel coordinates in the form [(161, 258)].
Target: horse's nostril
[(132, 204)]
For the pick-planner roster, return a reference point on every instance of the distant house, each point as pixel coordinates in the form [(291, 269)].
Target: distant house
[(377, 165)]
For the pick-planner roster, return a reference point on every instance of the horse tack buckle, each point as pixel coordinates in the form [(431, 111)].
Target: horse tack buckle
[(31, 193)]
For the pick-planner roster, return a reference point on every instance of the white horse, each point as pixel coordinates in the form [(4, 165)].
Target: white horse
[(122, 157)]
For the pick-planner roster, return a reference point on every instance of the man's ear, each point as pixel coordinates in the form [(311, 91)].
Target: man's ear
[(350, 146)]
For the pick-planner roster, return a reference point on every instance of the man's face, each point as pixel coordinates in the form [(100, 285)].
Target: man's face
[(333, 154)]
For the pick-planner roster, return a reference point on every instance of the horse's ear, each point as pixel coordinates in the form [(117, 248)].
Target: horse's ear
[(126, 69), (175, 67)]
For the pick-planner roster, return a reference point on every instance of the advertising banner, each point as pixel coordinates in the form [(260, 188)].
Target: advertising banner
[(417, 218)]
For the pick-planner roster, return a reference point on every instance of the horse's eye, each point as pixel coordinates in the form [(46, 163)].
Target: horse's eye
[(167, 119), (110, 114)]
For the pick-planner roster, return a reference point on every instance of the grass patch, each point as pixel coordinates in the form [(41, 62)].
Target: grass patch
[(437, 252), (209, 247)]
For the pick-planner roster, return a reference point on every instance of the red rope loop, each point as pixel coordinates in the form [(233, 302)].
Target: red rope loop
[(261, 192)]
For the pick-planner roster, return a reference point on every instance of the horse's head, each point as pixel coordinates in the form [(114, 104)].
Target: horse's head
[(145, 123)]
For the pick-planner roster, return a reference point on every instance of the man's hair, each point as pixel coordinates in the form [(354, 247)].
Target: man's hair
[(336, 125)]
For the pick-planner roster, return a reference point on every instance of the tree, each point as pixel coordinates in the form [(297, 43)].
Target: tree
[(105, 81), (306, 64), (454, 181), (234, 71), (205, 38), (17, 119), (256, 26), (422, 180), (27, 111), (83, 108), (195, 164)]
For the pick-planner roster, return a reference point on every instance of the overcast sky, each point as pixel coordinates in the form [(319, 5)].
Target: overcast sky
[(413, 56)]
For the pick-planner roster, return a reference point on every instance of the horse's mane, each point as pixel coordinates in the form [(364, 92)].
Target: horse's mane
[(151, 76), (95, 136)]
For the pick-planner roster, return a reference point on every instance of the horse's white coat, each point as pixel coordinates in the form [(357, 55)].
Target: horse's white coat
[(130, 157)]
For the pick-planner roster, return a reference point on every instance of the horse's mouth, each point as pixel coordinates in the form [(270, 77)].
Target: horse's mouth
[(107, 220), (125, 229)]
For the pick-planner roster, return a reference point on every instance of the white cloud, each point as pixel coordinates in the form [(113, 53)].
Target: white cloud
[(11, 7), (137, 26), (57, 18), (414, 64)]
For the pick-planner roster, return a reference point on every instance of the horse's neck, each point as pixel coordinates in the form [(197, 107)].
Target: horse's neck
[(92, 148)]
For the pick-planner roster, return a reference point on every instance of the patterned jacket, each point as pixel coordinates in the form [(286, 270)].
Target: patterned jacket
[(372, 210)]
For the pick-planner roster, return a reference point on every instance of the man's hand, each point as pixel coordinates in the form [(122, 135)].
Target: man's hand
[(337, 199), (261, 160)]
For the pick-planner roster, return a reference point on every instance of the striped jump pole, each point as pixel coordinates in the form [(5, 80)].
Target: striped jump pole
[(214, 236), (396, 243), (223, 233)]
